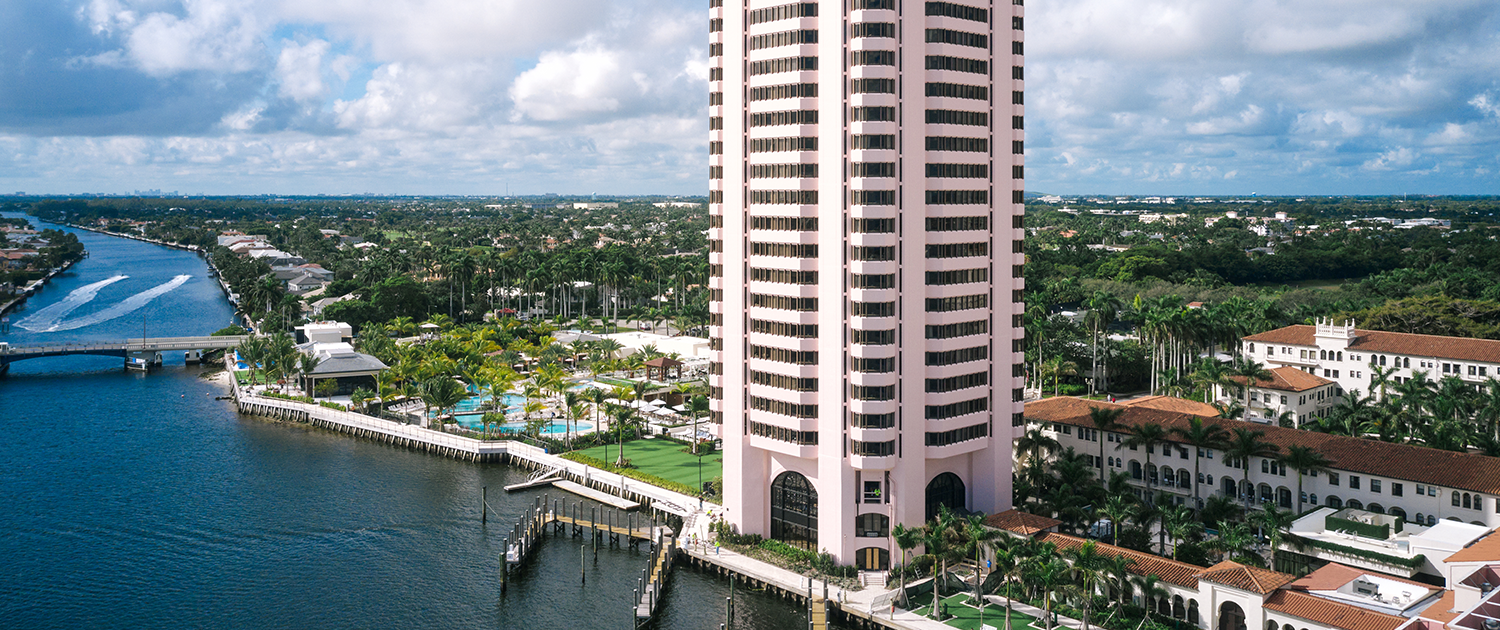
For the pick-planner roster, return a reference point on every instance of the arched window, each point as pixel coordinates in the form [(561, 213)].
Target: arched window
[(945, 489), (1184, 478), (1210, 481), (1382, 359), (794, 511), (1193, 611), (1420, 520), (1179, 609), (1228, 487), (1406, 362), (1247, 490), (1266, 494), (1271, 625), (1322, 355), (1231, 617), (1335, 502), (1286, 626), (1151, 475), (1398, 512), (1340, 357), (1354, 504), (1313, 498), (1135, 469), (1455, 498), (1284, 498), (1376, 508), (1431, 520), (1466, 500), (872, 526)]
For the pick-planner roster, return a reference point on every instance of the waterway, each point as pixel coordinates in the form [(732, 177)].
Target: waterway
[(141, 501)]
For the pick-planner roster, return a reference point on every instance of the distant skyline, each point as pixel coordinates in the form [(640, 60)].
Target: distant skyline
[(1172, 97)]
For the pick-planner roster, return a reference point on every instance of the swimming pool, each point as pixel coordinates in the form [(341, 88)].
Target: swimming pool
[(475, 403), (555, 427)]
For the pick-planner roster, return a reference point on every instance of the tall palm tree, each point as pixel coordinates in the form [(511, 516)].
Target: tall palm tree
[(1151, 591), (1037, 446), (1275, 524), (1103, 307), (977, 540), (1252, 372), (1200, 436), (1089, 569), (906, 538), (1244, 444), (624, 421), (1105, 421), (1117, 508), (1179, 523), (1118, 568), (1306, 461), (1148, 435)]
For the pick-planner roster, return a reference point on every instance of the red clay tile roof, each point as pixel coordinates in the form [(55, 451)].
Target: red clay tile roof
[(1165, 569), (1333, 575), (1288, 379), (1486, 549), (1418, 464), (1441, 611), (1330, 613), (1377, 341), (1021, 522), (1172, 403), (1255, 580)]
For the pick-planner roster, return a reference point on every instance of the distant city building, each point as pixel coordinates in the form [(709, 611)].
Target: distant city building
[(865, 215)]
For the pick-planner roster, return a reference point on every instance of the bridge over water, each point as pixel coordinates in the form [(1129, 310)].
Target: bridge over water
[(147, 349)]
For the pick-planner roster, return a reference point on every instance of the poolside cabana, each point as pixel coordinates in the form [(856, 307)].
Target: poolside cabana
[(662, 365)]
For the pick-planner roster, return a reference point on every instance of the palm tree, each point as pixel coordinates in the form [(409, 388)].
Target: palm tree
[(1200, 436), (1047, 575), (1089, 568), (1151, 590), (1275, 524), (1233, 537), (1103, 307), (1306, 461), (306, 364), (1118, 568), (624, 420), (1179, 523), (1104, 420), (1148, 435), (1117, 508), (906, 538), (1058, 367), (1007, 557), (937, 539), (697, 406), (1210, 374), (1037, 446), (1252, 372), (978, 539), (442, 392), (1244, 444)]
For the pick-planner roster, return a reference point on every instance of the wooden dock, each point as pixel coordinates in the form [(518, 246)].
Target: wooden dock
[(602, 525), (597, 495)]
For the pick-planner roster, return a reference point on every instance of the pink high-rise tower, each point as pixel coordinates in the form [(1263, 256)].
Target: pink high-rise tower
[(865, 264)]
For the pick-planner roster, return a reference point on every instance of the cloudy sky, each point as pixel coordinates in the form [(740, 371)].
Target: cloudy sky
[(607, 96)]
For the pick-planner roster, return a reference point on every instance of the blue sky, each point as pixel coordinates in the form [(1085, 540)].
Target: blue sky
[(580, 96)]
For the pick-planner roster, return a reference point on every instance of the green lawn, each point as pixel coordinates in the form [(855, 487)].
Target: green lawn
[(664, 459), (967, 617), (617, 382)]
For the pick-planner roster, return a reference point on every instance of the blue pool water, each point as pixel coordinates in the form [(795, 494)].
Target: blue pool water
[(474, 403), (557, 427)]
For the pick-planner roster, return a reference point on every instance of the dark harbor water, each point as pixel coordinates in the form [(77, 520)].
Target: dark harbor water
[(140, 501)]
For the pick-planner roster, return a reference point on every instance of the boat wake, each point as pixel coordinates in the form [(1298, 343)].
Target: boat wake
[(125, 307), (44, 319)]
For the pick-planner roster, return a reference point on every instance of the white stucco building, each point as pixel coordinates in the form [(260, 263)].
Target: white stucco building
[(865, 249), (1347, 356)]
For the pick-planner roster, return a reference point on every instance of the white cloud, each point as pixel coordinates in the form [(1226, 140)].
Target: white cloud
[(215, 35), (299, 70)]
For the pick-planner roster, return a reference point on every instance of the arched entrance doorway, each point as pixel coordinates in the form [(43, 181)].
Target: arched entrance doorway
[(945, 489), (794, 511), (1231, 617)]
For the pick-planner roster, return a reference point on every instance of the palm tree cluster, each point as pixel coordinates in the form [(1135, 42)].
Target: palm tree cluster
[(275, 359), (1089, 500), (1171, 336), (1449, 413)]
